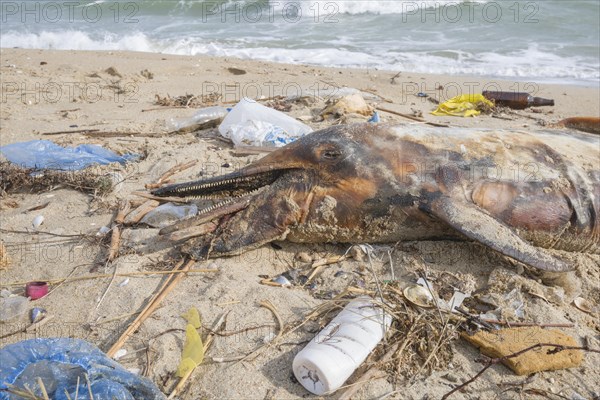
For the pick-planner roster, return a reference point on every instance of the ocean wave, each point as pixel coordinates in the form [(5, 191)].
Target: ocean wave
[(530, 63), (379, 7), (76, 40)]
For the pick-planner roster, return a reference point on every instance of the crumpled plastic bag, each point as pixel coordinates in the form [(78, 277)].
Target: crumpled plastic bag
[(252, 124), (466, 105), (60, 362), (44, 154)]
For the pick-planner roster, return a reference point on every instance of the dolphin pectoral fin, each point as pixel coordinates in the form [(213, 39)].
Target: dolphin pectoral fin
[(476, 224)]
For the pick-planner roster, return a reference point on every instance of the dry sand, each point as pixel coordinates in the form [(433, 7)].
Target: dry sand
[(46, 91)]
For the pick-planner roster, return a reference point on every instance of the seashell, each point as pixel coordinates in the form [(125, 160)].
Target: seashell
[(37, 314), (124, 282), (282, 280), (103, 231), (583, 305), (119, 354), (37, 221), (419, 296)]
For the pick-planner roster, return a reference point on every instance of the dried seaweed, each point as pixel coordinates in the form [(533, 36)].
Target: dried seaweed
[(15, 179), (188, 100)]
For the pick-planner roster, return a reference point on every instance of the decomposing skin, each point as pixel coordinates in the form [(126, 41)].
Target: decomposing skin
[(509, 190)]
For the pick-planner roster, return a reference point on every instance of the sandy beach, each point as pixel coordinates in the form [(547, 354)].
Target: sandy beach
[(46, 91)]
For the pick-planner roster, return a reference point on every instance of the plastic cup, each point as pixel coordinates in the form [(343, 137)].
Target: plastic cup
[(36, 290)]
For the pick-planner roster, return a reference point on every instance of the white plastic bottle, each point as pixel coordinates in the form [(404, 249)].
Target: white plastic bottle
[(334, 354), (202, 116)]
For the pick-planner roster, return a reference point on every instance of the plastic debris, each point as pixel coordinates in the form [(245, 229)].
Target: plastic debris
[(466, 105), (12, 307), (37, 221), (36, 290), (252, 124), (120, 354), (192, 316), (193, 348), (103, 231), (45, 154), (204, 118), (374, 118), (60, 363), (168, 213), (37, 314), (282, 280), (334, 354)]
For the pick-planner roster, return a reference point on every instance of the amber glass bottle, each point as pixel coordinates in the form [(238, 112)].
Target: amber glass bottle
[(516, 100)]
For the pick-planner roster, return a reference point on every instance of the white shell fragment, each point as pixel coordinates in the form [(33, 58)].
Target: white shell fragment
[(282, 280), (124, 282), (37, 314), (419, 296), (119, 354), (103, 231), (37, 221), (583, 305)]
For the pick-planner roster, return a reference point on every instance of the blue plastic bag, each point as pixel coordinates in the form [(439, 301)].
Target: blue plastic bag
[(60, 362), (44, 154)]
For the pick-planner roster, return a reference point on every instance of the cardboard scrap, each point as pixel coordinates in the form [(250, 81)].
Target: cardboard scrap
[(511, 340)]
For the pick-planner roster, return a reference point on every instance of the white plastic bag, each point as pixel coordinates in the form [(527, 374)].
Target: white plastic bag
[(252, 124)]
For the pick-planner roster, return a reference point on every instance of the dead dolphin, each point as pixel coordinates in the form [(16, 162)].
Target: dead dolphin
[(509, 190)]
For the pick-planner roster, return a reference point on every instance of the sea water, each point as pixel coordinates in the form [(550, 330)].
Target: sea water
[(545, 41)]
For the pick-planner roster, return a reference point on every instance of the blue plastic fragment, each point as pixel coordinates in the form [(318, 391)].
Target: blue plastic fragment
[(60, 363), (421, 94), (374, 117), (44, 154)]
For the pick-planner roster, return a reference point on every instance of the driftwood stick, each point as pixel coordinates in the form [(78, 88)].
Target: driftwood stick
[(99, 276), (77, 131), (161, 199), (169, 284), (408, 116), (172, 171), (115, 241)]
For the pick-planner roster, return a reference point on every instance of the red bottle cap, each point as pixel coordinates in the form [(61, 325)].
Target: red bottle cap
[(36, 290)]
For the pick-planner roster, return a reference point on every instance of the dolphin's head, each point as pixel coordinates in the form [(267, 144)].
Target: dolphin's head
[(321, 178)]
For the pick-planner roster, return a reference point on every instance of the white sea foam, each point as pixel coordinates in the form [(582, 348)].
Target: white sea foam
[(76, 40), (332, 8), (529, 63), (385, 34)]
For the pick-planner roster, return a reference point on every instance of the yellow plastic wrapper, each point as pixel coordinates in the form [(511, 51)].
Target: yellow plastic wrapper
[(465, 105), (193, 348), (193, 317), (193, 352)]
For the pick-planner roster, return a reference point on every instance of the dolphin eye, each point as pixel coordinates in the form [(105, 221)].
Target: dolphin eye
[(331, 154)]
